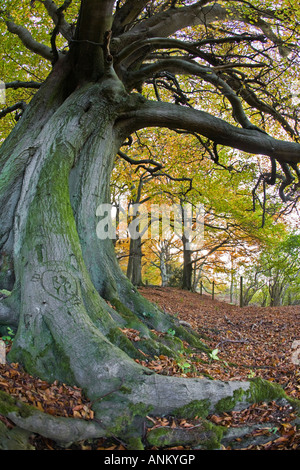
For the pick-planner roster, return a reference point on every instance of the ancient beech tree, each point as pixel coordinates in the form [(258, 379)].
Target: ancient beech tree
[(69, 298)]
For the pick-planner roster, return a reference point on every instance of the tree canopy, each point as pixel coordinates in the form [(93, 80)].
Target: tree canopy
[(231, 66)]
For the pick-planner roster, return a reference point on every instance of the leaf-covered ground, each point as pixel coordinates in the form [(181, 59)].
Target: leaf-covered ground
[(248, 342)]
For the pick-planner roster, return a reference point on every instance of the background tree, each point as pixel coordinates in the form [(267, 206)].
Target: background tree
[(278, 267), (223, 191), (69, 296)]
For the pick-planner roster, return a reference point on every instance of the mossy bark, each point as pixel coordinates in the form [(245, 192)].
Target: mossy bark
[(65, 274), (203, 436)]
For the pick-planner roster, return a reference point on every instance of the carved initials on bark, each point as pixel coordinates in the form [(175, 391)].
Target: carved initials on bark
[(59, 284)]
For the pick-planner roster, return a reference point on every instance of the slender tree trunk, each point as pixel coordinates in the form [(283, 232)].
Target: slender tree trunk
[(163, 269), (134, 267), (187, 275)]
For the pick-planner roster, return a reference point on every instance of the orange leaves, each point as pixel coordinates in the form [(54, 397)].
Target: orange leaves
[(262, 353), (265, 354), (257, 413), (55, 399), (253, 344), (170, 422), (274, 422), (168, 366), (133, 335)]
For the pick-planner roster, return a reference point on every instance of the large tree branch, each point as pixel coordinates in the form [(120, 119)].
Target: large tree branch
[(28, 41), (228, 84), (180, 66), (95, 19), (127, 14), (230, 78), (167, 23), (153, 114)]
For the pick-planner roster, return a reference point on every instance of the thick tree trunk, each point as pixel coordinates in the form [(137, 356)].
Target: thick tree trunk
[(15, 154), (56, 179)]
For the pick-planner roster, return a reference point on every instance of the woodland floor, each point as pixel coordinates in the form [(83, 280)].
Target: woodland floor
[(247, 342)]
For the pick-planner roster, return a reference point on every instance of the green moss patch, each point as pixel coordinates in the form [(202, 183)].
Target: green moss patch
[(197, 408), (229, 403), (203, 436)]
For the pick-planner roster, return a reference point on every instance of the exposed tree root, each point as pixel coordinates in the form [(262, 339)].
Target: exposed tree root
[(62, 430), (9, 311), (126, 419)]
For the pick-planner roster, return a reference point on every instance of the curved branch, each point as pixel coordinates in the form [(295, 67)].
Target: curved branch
[(271, 178), (250, 97), (29, 42), (168, 22), (127, 14), (287, 180), (157, 165), (191, 47), (180, 66), (156, 43), (153, 114), (20, 105), (60, 17), (297, 171)]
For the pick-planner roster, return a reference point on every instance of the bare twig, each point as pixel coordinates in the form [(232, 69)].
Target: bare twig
[(231, 341), (20, 105), (157, 165), (65, 28), (60, 17), (18, 84)]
